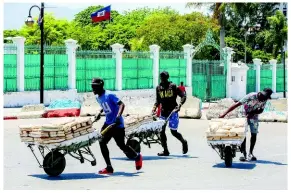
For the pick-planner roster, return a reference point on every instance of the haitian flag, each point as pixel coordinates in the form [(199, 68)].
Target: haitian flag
[(101, 15)]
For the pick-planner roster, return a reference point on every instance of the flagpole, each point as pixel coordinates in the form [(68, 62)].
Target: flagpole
[(109, 24)]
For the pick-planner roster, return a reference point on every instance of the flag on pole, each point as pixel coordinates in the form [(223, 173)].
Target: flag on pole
[(101, 15)]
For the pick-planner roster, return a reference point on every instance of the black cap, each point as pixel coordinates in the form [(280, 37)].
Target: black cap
[(165, 74), (97, 81), (267, 92)]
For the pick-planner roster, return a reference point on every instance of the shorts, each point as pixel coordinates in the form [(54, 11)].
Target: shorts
[(117, 133), (254, 125), (173, 121)]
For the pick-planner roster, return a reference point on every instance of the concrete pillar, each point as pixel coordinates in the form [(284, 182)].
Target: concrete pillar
[(273, 62), (258, 64), (239, 85), (155, 55), (228, 51), (71, 46), (117, 49), (188, 49), (19, 42)]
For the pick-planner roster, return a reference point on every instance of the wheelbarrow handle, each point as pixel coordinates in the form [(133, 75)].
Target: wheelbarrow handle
[(155, 117), (107, 129)]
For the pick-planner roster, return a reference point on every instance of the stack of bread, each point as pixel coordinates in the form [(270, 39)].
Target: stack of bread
[(56, 132), (227, 129), (134, 121)]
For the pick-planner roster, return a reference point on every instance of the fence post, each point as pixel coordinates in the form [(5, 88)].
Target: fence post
[(188, 56), (155, 55), (117, 49), (71, 46), (228, 51), (258, 64), (273, 62), (19, 41)]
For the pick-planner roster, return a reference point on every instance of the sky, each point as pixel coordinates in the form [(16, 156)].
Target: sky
[(67, 11)]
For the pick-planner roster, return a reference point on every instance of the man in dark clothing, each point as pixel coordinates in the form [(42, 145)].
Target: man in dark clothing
[(113, 108), (166, 95)]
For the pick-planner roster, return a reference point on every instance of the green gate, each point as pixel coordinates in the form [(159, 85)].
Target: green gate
[(137, 70), (92, 64), (266, 76), (175, 64), (10, 69), (55, 68), (280, 78), (251, 78), (209, 80), (209, 76)]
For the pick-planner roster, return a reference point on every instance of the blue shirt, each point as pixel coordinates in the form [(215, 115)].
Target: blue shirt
[(108, 102)]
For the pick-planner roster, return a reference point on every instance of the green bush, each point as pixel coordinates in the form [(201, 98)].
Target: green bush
[(265, 57)]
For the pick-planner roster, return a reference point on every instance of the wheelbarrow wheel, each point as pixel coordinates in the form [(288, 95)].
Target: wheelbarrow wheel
[(54, 163), (228, 156), (135, 145)]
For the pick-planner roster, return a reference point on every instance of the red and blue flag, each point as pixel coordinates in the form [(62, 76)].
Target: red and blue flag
[(101, 15)]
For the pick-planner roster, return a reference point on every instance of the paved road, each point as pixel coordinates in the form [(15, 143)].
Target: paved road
[(200, 169)]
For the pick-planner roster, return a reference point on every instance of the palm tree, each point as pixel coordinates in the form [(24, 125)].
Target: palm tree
[(278, 31)]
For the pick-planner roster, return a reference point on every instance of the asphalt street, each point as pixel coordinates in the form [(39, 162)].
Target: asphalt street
[(201, 168)]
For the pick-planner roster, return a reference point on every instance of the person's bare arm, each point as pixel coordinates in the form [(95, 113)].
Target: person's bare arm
[(98, 115), (231, 108), (121, 108), (183, 97), (157, 102)]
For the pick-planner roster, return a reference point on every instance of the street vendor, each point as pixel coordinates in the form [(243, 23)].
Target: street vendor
[(113, 108), (253, 105), (166, 95)]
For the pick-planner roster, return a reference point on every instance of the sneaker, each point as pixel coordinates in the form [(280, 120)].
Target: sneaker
[(138, 162), (185, 147), (164, 153), (251, 157), (107, 170), (243, 159)]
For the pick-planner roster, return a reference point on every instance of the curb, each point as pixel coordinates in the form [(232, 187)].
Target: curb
[(10, 118), (58, 113)]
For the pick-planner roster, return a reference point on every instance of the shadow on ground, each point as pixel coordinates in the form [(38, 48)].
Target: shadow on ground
[(69, 176), (80, 176), (270, 162), (242, 166), (149, 158)]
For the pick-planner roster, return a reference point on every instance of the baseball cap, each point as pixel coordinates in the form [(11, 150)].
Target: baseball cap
[(97, 81), (267, 92)]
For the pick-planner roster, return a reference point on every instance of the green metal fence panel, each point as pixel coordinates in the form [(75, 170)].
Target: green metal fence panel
[(218, 87), (280, 78), (92, 64), (175, 64), (208, 79), (10, 69), (55, 68), (266, 76), (137, 70), (251, 79), (199, 86)]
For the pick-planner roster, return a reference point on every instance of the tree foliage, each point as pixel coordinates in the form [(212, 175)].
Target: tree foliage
[(142, 27)]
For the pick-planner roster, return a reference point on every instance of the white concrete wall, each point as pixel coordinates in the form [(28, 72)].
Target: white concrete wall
[(239, 85), (19, 99)]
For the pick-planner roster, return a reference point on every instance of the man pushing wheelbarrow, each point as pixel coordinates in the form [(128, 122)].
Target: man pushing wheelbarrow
[(113, 108), (166, 95), (253, 105)]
